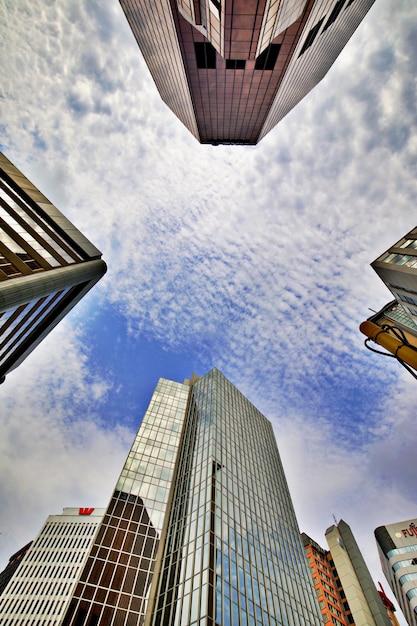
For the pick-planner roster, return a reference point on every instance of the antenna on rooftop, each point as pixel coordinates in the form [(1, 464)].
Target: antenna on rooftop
[(335, 520)]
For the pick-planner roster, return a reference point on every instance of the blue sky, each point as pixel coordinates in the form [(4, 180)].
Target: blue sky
[(251, 259)]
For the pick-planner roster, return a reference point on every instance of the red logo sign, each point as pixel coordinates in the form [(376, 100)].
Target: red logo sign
[(411, 531), (85, 511)]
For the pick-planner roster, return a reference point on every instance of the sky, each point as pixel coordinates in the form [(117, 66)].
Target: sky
[(255, 260)]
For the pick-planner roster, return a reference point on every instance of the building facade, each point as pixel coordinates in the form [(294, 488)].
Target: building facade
[(13, 564), (362, 596), (230, 70), (41, 588), (330, 594), (343, 584), (200, 528), (397, 268), (397, 547), (46, 266)]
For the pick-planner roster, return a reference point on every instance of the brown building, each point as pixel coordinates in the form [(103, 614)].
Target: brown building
[(328, 588), (46, 266), (230, 70)]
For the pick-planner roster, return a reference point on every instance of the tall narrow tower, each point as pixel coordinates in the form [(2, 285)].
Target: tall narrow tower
[(201, 528)]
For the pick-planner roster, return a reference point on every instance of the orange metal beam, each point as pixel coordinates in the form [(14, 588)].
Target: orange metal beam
[(390, 343)]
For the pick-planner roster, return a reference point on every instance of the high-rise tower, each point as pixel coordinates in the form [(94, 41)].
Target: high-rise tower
[(46, 266), (230, 70), (200, 528), (344, 586), (41, 587)]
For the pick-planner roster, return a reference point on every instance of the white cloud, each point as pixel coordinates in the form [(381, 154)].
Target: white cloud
[(54, 448)]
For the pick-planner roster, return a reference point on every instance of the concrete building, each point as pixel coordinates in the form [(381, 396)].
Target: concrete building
[(395, 315), (13, 564), (332, 600), (397, 268), (200, 528), (343, 584), (397, 547), (394, 327), (230, 70), (40, 589), (46, 266)]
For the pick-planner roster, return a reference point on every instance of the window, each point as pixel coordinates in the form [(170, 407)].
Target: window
[(311, 36), (205, 55), (267, 59), (235, 64), (334, 14)]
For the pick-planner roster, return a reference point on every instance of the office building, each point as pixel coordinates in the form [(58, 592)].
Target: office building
[(40, 589), (13, 564), (200, 528), (46, 266), (397, 268), (395, 315), (397, 548), (230, 70), (343, 584), (332, 600)]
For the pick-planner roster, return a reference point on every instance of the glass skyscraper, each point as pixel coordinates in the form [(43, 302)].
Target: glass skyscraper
[(200, 528)]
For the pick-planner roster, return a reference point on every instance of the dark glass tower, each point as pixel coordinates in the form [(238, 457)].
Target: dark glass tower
[(201, 528)]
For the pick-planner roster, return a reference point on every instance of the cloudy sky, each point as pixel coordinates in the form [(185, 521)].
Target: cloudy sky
[(251, 259)]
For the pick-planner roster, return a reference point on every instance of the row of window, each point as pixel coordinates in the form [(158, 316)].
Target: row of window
[(332, 18), (205, 55)]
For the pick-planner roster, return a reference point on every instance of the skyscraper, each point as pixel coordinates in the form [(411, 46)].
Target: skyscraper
[(41, 587), (230, 70), (397, 548), (344, 586), (200, 528), (46, 266), (361, 593)]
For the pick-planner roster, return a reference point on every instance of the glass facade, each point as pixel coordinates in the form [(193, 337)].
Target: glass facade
[(115, 584), (201, 528), (233, 554)]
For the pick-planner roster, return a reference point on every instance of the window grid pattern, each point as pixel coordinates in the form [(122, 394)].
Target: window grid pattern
[(40, 589), (327, 585), (115, 584), (233, 555), (397, 313)]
